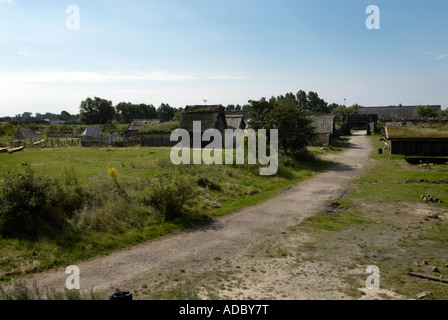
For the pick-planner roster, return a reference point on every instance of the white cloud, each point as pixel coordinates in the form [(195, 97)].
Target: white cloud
[(436, 56), (7, 1), (88, 77)]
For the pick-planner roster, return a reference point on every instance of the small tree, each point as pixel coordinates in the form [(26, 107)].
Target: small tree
[(422, 112), (166, 112), (295, 130), (96, 111)]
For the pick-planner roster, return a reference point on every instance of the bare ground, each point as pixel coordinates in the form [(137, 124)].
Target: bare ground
[(252, 254)]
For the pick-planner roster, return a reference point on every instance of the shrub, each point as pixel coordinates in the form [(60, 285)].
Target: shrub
[(35, 205), (172, 194), (108, 217)]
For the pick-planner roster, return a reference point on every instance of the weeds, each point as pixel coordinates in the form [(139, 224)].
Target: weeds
[(20, 291), (172, 193), (36, 205)]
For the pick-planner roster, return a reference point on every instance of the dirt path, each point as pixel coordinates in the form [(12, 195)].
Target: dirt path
[(230, 254)]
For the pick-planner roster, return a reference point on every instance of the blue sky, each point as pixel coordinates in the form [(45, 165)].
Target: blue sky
[(226, 51)]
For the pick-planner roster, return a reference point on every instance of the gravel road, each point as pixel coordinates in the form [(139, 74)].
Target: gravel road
[(200, 254)]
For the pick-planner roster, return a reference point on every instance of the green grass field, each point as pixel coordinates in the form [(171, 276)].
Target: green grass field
[(114, 220), (384, 222)]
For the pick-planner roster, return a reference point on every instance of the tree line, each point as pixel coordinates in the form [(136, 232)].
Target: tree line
[(102, 111)]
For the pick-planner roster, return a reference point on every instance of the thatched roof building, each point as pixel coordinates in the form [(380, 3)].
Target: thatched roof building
[(25, 134), (137, 124), (235, 122), (211, 117), (325, 127), (324, 123), (418, 140)]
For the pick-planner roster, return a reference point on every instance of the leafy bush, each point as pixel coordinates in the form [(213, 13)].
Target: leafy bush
[(172, 194), (36, 205)]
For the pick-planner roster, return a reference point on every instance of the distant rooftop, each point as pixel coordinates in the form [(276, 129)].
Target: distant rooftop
[(401, 112)]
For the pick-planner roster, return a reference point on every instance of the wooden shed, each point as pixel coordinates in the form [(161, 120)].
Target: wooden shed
[(158, 134), (25, 134), (211, 117), (325, 127), (418, 141)]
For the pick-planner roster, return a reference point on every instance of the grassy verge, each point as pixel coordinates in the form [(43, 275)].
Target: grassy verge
[(131, 209), (384, 222)]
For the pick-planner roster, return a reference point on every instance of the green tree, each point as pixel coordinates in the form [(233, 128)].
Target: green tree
[(96, 111), (149, 111), (8, 129), (65, 116), (27, 115), (339, 110), (295, 130), (354, 109), (166, 112), (311, 103), (178, 115), (421, 112), (442, 113)]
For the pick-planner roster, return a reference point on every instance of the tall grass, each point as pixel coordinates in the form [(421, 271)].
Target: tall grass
[(418, 131), (19, 290), (95, 216)]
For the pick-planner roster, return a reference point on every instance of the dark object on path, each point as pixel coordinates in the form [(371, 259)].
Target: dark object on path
[(121, 295)]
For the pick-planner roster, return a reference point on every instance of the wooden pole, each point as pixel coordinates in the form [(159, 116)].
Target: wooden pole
[(420, 275)]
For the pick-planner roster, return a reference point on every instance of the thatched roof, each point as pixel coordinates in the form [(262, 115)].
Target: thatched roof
[(246, 113), (94, 131), (163, 127), (210, 116), (324, 123), (417, 132), (403, 112), (235, 121), (25, 134), (137, 124)]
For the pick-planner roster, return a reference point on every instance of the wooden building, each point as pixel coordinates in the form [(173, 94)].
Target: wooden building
[(325, 129), (137, 124), (414, 141), (210, 116)]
